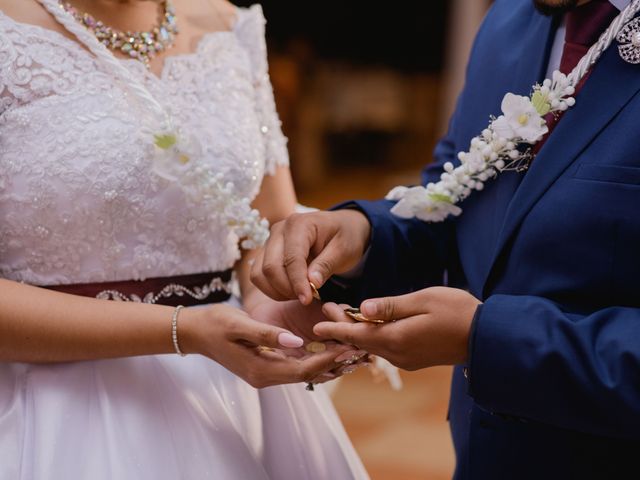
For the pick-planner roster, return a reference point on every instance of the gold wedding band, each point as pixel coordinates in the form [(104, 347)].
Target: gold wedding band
[(314, 292), (356, 314)]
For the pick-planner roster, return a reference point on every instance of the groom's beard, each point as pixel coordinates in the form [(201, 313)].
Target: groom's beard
[(554, 7)]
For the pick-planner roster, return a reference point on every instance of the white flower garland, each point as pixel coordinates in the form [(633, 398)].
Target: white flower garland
[(175, 151), (507, 143)]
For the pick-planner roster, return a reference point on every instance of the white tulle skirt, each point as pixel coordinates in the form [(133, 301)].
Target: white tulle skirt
[(164, 418)]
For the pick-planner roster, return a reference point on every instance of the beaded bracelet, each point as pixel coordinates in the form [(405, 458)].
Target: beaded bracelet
[(174, 331)]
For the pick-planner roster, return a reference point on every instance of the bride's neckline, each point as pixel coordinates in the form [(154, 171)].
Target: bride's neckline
[(167, 61)]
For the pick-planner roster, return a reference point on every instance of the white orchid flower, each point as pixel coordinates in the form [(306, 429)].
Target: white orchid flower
[(520, 119), (420, 203)]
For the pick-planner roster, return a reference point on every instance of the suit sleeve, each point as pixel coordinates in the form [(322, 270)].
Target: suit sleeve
[(530, 359)]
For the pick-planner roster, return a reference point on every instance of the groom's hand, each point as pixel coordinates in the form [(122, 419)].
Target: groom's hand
[(429, 327), (310, 247)]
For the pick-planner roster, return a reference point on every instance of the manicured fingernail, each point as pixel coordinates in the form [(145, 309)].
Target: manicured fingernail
[(289, 340), (302, 298), (350, 355), (369, 308), (316, 278)]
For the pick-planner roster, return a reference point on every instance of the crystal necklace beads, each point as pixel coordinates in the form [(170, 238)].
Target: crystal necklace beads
[(139, 45)]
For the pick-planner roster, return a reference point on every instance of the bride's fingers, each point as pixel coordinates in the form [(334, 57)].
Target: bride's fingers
[(304, 370), (262, 368), (335, 313), (322, 363), (357, 361), (246, 330), (344, 317), (324, 378)]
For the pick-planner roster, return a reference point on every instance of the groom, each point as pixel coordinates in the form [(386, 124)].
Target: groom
[(545, 328)]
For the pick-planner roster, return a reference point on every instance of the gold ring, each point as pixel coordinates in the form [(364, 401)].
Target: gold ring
[(263, 348), (314, 292)]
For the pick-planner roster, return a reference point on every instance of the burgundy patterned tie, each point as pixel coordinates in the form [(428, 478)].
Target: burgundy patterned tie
[(584, 24)]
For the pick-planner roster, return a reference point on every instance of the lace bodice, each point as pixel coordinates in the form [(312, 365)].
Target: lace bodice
[(78, 199)]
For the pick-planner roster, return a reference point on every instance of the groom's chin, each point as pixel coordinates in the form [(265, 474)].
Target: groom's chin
[(554, 7)]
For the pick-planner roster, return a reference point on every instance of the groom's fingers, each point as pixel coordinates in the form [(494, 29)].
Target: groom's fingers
[(323, 266), (396, 308), (367, 336), (299, 236), (267, 272), (259, 280), (272, 265)]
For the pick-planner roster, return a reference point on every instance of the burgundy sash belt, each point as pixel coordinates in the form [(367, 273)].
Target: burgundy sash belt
[(187, 290)]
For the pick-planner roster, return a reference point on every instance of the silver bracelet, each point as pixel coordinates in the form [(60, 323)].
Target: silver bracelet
[(174, 331)]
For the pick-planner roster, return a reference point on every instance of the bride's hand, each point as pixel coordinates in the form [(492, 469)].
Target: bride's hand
[(292, 316), (300, 320), (232, 338)]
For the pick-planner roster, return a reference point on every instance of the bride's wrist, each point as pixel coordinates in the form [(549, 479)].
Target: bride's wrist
[(189, 330)]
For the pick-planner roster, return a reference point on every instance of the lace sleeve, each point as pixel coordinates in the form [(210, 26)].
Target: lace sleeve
[(250, 30)]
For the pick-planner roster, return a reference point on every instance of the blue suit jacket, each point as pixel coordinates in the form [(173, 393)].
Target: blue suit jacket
[(554, 388)]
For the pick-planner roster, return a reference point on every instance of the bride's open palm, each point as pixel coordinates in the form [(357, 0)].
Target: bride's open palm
[(300, 320)]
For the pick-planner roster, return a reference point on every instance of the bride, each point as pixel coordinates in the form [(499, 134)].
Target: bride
[(133, 140)]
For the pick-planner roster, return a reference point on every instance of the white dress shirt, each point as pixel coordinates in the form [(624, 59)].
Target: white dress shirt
[(558, 42)]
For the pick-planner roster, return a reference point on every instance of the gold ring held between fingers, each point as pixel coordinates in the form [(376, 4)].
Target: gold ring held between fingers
[(314, 292), (357, 315)]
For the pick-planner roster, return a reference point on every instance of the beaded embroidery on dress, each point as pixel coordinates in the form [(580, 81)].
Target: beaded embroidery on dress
[(79, 204)]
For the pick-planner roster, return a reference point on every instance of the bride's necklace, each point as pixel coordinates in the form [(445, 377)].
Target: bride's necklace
[(140, 45)]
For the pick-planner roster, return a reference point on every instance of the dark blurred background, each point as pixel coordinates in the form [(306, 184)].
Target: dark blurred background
[(364, 90), (359, 87)]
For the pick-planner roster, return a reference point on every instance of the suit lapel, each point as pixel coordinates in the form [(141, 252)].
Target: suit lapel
[(534, 59), (612, 84), (531, 69)]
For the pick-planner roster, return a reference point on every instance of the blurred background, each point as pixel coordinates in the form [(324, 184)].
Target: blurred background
[(364, 90)]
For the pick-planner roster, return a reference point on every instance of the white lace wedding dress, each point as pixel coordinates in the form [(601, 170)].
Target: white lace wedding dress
[(79, 204)]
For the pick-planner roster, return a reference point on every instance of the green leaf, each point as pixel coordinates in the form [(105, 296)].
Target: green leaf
[(439, 197), (540, 103), (165, 141)]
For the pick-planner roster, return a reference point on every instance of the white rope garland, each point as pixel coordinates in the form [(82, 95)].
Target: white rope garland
[(605, 40)]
